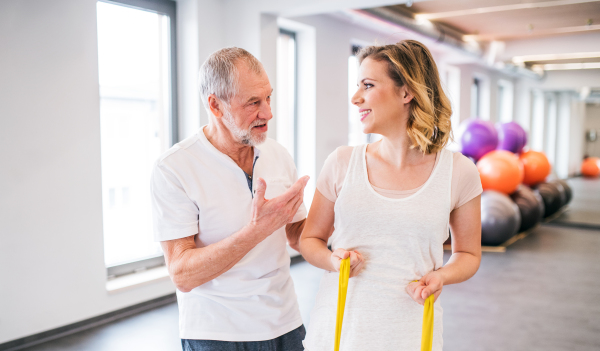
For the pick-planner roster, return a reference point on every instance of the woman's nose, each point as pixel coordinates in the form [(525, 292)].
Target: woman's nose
[(357, 98)]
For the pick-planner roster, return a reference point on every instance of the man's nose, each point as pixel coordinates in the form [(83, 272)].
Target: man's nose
[(265, 112)]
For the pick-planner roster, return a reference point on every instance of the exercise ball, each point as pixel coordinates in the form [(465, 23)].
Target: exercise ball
[(551, 197), (511, 137), (563, 187), (500, 218), (540, 201), (536, 167), (501, 171), (591, 167), (530, 206), (568, 190), (477, 138), (561, 191)]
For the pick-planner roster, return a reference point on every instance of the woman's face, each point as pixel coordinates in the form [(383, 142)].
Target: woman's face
[(383, 107)]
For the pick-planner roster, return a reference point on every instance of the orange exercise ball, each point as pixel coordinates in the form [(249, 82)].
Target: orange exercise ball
[(591, 167), (535, 166), (501, 171)]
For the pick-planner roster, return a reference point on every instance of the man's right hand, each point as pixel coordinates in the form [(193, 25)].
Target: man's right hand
[(268, 215)]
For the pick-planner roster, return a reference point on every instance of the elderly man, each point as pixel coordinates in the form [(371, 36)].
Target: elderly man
[(224, 242)]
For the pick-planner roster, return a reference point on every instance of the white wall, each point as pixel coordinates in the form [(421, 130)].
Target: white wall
[(52, 268)]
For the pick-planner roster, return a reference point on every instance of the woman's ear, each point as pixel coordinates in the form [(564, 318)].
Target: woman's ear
[(407, 96)]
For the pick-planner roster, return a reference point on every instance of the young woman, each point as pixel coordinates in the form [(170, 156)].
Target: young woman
[(391, 204)]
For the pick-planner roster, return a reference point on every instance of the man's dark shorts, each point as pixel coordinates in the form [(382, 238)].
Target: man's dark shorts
[(291, 341)]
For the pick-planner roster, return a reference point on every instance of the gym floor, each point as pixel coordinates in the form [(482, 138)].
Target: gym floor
[(541, 294)]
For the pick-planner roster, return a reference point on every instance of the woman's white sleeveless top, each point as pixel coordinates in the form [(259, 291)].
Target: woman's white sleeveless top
[(401, 240)]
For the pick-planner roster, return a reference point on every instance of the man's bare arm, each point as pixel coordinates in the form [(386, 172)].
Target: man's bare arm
[(190, 266), (293, 232)]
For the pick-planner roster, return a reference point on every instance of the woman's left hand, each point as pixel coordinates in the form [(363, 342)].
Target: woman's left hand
[(431, 283)]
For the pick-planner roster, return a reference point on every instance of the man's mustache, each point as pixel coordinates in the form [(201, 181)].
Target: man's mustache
[(258, 122)]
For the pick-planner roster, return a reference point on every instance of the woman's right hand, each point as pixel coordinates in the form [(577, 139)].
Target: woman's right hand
[(356, 261)]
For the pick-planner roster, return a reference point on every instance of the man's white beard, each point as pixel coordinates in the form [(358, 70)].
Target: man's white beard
[(245, 137)]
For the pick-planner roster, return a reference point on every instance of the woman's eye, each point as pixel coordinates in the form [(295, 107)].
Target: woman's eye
[(367, 85)]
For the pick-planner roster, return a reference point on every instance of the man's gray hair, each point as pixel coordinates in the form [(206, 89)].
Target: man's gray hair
[(219, 74)]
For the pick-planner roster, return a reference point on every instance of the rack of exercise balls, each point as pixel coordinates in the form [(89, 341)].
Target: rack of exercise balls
[(518, 191)]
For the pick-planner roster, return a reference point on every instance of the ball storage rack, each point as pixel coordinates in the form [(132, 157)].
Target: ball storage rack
[(502, 247)]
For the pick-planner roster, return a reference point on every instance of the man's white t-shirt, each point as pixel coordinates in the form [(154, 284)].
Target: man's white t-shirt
[(196, 189)]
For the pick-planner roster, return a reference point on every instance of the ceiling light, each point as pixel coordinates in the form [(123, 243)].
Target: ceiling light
[(553, 57), (566, 66), (512, 7)]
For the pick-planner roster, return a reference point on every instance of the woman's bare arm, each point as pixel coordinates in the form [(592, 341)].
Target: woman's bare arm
[(317, 230), (465, 225)]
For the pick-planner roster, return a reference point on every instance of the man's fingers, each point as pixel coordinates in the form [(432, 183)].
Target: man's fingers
[(295, 189), (297, 206)]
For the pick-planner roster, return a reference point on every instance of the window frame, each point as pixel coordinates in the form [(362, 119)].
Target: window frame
[(167, 8), (292, 34)]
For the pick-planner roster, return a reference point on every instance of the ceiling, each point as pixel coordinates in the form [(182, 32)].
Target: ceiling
[(486, 20)]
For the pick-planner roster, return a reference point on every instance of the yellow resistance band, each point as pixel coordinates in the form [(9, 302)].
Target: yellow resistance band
[(427, 333), (343, 289)]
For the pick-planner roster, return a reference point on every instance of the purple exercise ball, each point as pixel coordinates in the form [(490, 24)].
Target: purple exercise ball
[(511, 137), (477, 138)]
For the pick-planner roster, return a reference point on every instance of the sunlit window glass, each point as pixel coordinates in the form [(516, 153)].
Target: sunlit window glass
[(135, 118), (286, 92)]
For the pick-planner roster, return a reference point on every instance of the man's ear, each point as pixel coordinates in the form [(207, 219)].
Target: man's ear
[(215, 105)]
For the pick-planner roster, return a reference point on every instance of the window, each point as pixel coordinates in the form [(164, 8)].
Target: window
[(537, 123), (476, 98), (286, 95), (505, 101), (451, 80), (136, 48), (551, 130), (355, 128)]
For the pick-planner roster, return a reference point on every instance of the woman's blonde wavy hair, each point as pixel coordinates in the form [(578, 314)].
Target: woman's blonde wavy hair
[(410, 63)]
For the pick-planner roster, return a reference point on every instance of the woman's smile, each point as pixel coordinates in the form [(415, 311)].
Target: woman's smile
[(364, 113)]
